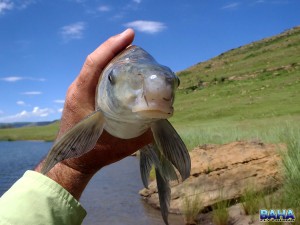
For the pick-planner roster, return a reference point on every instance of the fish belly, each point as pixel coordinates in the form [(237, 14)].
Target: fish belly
[(125, 130)]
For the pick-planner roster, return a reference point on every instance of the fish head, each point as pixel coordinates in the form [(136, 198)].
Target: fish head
[(135, 86)]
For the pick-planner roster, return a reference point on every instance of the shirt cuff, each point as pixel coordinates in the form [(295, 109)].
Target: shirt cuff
[(37, 199)]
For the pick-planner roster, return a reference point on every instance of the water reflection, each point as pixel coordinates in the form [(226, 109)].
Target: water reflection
[(111, 198)]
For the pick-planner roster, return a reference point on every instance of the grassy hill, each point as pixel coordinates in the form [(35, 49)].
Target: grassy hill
[(251, 92), (24, 124), (47, 133)]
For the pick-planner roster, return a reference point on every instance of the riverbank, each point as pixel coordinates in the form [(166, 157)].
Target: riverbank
[(233, 181)]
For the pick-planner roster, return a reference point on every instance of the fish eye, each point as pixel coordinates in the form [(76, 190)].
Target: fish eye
[(111, 77)]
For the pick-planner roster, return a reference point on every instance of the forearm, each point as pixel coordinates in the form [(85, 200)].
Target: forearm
[(70, 179)]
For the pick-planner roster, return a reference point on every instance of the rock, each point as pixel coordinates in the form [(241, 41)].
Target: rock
[(223, 172)]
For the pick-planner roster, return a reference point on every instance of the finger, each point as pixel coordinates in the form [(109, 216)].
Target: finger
[(87, 80)]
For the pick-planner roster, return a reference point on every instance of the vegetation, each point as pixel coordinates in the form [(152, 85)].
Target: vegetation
[(274, 201), (46, 133), (291, 170), (191, 207), (251, 201), (249, 92), (291, 166), (220, 215)]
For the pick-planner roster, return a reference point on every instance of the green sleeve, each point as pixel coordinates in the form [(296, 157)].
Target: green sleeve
[(36, 199)]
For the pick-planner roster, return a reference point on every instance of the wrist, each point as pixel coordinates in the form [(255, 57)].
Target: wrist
[(69, 178)]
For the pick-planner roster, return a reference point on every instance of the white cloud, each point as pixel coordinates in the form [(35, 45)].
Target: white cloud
[(20, 103), (25, 3), (36, 112), (137, 1), (5, 5), (73, 31), (150, 27), (60, 110), (11, 79), (16, 78), (41, 112), (233, 5), (104, 8), (78, 1), (32, 93), (59, 101)]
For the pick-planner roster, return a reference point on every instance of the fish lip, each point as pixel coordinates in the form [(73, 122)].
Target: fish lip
[(157, 113)]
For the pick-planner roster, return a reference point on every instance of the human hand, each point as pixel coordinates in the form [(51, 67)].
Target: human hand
[(73, 174)]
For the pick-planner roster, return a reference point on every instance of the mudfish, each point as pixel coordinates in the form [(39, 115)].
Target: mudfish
[(134, 93)]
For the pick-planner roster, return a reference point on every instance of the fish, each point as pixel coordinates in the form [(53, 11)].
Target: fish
[(134, 91)]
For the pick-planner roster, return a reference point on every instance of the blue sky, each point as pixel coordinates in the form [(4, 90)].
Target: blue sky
[(43, 44)]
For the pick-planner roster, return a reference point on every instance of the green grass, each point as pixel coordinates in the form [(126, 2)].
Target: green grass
[(213, 107), (291, 167), (274, 201), (251, 201), (191, 206), (47, 133), (288, 196), (220, 215), (267, 130), (265, 55)]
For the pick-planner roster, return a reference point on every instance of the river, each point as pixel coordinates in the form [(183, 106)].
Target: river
[(110, 198)]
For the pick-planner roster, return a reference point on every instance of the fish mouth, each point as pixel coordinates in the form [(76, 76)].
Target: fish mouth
[(154, 113)]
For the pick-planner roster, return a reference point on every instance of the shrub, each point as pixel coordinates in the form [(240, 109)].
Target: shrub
[(191, 207), (220, 213), (251, 201)]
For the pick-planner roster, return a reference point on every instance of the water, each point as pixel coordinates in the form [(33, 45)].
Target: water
[(17, 157), (110, 198)]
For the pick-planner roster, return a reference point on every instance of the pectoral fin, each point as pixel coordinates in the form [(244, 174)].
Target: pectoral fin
[(164, 194), (164, 170), (77, 141), (172, 147), (148, 157)]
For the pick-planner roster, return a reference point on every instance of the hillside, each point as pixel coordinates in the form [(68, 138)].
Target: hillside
[(46, 132), (250, 92), (25, 124), (264, 59)]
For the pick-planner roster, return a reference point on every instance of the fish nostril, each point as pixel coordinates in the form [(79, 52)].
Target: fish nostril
[(169, 80)]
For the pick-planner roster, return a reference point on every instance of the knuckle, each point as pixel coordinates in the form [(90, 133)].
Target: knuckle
[(71, 103), (89, 61)]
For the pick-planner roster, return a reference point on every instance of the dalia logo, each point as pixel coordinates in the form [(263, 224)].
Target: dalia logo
[(276, 215)]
